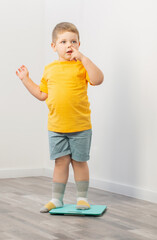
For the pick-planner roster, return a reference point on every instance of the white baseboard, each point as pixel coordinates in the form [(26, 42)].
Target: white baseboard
[(20, 172), (127, 190)]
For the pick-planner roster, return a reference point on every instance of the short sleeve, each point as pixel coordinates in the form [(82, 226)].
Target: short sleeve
[(43, 83), (88, 79)]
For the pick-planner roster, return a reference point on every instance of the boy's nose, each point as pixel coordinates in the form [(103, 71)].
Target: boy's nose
[(69, 44)]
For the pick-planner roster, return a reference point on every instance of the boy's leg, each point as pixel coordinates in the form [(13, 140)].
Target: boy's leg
[(60, 178), (81, 175)]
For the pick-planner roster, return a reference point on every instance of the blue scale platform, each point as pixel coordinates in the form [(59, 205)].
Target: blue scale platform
[(70, 209)]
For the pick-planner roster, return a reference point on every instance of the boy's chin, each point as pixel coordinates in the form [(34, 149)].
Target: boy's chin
[(67, 58)]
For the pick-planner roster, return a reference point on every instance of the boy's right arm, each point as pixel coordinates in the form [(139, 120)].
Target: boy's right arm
[(33, 88)]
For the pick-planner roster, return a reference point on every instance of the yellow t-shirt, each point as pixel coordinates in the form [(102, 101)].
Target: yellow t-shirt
[(66, 84)]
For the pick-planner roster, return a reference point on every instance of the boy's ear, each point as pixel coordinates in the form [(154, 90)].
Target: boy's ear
[(53, 46)]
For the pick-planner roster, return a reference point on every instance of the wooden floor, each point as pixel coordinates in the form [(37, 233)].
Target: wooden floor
[(20, 219)]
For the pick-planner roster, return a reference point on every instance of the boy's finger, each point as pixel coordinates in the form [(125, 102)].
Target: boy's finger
[(73, 48)]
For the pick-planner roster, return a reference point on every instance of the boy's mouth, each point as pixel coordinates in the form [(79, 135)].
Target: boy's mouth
[(69, 52)]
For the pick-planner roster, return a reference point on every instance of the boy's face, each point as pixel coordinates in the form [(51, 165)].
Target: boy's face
[(64, 43)]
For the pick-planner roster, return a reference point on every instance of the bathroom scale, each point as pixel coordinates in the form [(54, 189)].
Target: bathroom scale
[(70, 209)]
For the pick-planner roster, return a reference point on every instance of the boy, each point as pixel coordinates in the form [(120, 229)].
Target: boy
[(64, 87)]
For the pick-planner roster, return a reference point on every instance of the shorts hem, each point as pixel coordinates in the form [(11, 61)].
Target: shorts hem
[(60, 155), (78, 160)]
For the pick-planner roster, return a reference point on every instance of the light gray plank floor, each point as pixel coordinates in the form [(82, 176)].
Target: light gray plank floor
[(20, 219)]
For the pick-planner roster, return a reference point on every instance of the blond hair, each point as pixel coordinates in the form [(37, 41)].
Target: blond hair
[(64, 27)]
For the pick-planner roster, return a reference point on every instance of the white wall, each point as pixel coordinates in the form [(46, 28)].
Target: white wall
[(22, 121), (123, 39), (120, 37)]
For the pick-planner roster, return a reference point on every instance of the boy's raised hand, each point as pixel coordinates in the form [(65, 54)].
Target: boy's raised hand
[(76, 55), (23, 72)]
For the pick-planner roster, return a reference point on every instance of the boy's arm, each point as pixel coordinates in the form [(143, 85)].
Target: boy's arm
[(95, 74), (33, 88)]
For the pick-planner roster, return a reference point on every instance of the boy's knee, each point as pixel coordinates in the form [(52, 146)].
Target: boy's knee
[(79, 164), (63, 161)]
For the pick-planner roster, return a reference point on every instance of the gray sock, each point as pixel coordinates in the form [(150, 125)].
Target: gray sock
[(82, 190), (58, 190)]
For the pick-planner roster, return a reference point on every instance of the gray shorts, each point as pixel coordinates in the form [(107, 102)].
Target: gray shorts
[(77, 144)]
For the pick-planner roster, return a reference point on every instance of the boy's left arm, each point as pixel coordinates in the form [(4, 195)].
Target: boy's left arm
[(95, 74)]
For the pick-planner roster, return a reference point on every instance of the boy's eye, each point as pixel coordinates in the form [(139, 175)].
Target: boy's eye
[(72, 41)]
